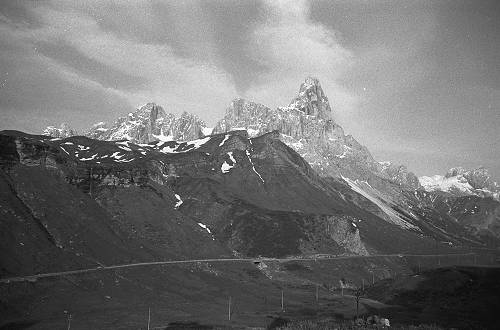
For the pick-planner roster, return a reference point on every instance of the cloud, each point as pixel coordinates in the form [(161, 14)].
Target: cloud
[(291, 46), (177, 83)]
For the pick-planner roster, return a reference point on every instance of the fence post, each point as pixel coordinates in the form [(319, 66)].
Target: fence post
[(90, 182), (149, 316)]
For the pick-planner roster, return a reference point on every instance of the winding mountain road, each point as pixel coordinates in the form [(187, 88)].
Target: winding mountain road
[(32, 278)]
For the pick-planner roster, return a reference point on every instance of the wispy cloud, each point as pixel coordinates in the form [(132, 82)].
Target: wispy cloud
[(178, 83)]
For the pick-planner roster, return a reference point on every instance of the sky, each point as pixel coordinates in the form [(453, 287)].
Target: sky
[(417, 82)]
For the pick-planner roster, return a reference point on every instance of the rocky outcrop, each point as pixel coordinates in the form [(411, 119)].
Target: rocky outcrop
[(478, 178), (150, 123), (61, 132), (345, 232), (399, 174), (312, 100), (306, 126), (459, 181)]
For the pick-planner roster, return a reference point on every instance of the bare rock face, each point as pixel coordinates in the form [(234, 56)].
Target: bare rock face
[(478, 178), (62, 132), (399, 174), (345, 232), (150, 123), (312, 100)]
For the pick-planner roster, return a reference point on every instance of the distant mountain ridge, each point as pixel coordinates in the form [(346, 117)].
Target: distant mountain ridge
[(463, 182), (150, 123), (306, 125), (63, 131)]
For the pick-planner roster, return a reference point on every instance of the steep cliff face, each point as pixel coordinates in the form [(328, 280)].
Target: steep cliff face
[(306, 126), (312, 100)]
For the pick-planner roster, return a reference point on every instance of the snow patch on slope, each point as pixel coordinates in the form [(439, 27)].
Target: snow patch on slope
[(223, 141), (207, 229), (253, 166), (225, 166), (179, 201), (207, 130)]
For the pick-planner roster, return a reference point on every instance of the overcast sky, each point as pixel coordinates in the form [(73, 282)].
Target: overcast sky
[(417, 82)]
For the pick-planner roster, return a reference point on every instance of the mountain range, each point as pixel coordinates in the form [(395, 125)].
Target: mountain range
[(262, 182)]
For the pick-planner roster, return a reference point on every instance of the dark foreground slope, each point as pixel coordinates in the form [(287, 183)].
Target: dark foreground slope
[(459, 297), (221, 195)]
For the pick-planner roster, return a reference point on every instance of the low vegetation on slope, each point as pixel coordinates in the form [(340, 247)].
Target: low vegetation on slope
[(460, 297)]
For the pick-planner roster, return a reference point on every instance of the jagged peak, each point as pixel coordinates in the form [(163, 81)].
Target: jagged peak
[(310, 82), (149, 105), (455, 171), (312, 99)]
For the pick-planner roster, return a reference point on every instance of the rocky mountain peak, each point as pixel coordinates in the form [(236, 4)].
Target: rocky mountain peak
[(153, 110), (306, 127), (454, 172), (312, 100), (461, 181), (150, 123), (478, 178), (62, 131)]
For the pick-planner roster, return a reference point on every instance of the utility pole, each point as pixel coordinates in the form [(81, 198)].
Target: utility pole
[(90, 182), (363, 284), (68, 319), (373, 278), (229, 309), (282, 301), (149, 317), (317, 293)]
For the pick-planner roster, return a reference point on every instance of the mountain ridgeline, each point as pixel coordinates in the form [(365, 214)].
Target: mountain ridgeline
[(263, 182)]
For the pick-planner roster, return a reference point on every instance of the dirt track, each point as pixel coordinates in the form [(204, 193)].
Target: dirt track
[(31, 278)]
